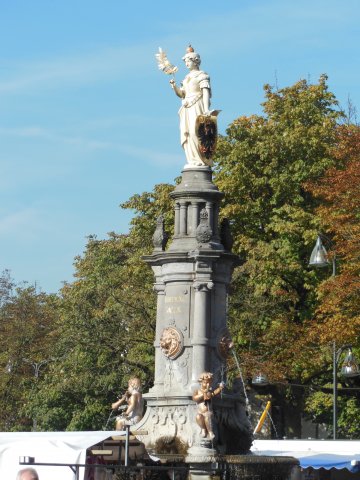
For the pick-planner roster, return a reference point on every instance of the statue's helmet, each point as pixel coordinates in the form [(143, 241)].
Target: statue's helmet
[(190, 53)]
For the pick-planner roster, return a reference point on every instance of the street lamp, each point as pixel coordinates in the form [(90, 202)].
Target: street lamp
[(36, 368), (36, 365), (260, 380), (319, 256), (349, 369)]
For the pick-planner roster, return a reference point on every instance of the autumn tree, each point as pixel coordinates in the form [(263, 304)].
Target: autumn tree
[(337, 316), (27, 337), (262, 164)]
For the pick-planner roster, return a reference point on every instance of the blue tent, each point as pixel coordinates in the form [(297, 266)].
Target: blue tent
[(314, 453), (327, 460)]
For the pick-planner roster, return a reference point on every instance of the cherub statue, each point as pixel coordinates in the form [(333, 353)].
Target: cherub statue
[(202, 397), (135, 405)]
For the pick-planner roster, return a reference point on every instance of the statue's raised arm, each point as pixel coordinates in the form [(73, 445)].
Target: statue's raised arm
[(198, 128)]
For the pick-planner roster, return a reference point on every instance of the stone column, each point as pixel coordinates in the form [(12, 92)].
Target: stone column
[(194, 217), (183, 219), (159, 357), (200, 336), (177, 220)]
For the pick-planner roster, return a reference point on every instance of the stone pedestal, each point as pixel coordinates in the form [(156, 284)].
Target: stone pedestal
[(191, 282)]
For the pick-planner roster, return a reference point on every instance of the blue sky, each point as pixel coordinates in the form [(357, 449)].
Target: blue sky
[(87, 120)]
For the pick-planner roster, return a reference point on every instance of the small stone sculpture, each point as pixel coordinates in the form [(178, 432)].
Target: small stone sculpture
[(203, 397), (160, 236), (203, 231), (135, 405)]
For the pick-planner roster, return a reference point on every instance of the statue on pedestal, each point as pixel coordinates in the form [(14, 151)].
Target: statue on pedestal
[(135, 405), (203, 397), (198, 127)]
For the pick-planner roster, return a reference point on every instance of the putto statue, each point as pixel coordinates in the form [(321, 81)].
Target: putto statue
[(203, 397), (198, 127), (135, 405)]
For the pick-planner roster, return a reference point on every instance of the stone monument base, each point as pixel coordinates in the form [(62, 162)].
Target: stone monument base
[(234, 467)]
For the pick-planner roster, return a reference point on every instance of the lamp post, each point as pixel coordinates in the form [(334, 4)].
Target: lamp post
[(36, 365), (349, 369), (36, 368), (319, 258)]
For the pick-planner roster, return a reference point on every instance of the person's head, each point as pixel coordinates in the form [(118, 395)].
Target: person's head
[(191, 58), (27, 474), (205, 380), (134, 384)]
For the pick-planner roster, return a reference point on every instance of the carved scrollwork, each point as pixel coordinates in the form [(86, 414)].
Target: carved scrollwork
[(171, 342)]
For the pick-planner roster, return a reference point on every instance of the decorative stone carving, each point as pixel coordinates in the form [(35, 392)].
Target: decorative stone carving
[(234, 427), (171, 342), (160, 237), (203, 286), (204, 231), (225, 235), (224, 343), (182, 373)]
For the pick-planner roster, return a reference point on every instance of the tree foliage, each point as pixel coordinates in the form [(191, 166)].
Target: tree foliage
[(27, 337), (262, 165), (338, 312), (337, 315)]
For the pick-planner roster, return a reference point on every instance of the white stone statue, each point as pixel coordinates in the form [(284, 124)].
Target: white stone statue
[(195, 93), (196, 119)]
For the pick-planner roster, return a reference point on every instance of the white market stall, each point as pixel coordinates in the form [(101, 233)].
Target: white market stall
[(316, 454), (47, 447)]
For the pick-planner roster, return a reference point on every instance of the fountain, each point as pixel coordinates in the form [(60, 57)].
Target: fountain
[(192, 418)]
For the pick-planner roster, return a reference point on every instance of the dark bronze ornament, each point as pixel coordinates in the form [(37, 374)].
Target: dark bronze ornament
[(206, 131)]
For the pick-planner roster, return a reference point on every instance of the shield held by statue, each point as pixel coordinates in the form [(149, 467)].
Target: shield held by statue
[(206, 131)]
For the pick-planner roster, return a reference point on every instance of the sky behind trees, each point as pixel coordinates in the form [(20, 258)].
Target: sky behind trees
[(87, 120)]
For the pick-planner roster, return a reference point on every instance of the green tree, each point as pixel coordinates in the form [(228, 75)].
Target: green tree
[(262, 164), (107, 323), (27, 337)]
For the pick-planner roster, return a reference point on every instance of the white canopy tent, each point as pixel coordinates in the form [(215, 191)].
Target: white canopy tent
[(47, 447), (316, 454), (69, 448)]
